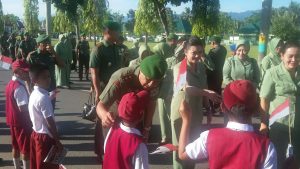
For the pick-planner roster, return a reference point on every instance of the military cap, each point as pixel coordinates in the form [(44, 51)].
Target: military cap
[(242, 42), (172, 36), (42, 38), (154, 67), (216, 39), (111, 25)]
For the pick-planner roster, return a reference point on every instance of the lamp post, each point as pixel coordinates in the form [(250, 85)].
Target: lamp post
[(48, 17)]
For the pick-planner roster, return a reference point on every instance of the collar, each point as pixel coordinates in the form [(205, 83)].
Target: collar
[(107, 43), (130, 129), (15, 78), (41, 90), (239, 126)]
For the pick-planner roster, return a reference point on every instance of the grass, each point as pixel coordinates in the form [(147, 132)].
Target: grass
[(253, 51)]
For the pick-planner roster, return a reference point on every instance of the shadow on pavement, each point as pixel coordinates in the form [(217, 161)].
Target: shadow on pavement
[(81, 161), (5, 147)]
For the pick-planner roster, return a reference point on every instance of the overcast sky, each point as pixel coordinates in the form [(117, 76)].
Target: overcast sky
[(122, 6)]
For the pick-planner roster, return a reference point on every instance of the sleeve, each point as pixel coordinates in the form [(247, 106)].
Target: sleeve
[(94, 58), (227, 72), (271, 158), (197, 149), (267, 86), (140, 158), (46, 107), (112, 91), (264, 66), (21, 96), (208, 63)]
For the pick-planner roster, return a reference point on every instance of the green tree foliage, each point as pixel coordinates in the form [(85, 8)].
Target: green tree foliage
[(186, 14), (94, 13), (31, 16), (1, 20), (226, 25), (129, 25), (146, 21), (11, 20), (171, 20), (286, 22), (117, 17), (70, 7), (205, 17), (61, 23), (161, 11)]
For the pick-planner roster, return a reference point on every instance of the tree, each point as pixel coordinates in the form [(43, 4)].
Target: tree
[(186, 14), (205, 17), (226, 24), (31, 16), (146, 22), (171, 20), (129, 25), (61, 23), (117, 17), (1, 20)]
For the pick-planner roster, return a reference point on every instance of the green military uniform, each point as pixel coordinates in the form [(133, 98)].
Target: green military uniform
[(37, 57), (236, 69), (197, 79), (83, 49), (137, 61), (27, 46), (124, 53), (4, 44), (164, 50), (12, 42), (62, 74), (134, 51), (272, 59), (277, 86)]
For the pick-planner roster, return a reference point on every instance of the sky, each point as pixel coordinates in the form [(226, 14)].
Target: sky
[(16, 6)]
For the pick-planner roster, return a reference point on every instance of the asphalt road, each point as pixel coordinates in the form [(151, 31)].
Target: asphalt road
[(78, 134)]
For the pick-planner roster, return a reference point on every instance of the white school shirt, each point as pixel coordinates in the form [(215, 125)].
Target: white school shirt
[(140, 158), (40, 108), (20, 93), (198, 149)]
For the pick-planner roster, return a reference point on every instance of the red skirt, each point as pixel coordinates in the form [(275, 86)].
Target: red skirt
[(40, 145), (20, 138)]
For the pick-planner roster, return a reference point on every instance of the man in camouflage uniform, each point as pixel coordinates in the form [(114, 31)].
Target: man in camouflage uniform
[(27, 45), (83, 53)]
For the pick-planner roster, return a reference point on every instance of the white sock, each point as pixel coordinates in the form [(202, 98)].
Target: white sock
[(16, 162), (25, 164)]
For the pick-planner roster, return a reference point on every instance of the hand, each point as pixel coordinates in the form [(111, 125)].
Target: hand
[(264, 130), (107, 119), (50, 49), (213, 96), (185, 111), (53, 94)]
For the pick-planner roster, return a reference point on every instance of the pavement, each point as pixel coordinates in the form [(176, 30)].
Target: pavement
[(77, 134)]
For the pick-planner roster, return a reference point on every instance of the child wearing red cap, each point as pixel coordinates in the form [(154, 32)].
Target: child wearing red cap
[(237, 145), (124, 147), (17, 116)]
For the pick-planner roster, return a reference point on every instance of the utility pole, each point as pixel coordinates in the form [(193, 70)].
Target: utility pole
[(266, 13), (48, 17)]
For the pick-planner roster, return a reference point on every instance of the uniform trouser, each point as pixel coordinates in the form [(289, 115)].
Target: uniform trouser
[(99, 139), (279, 135), (176, 123), (164, 118), (83, 61), (74, 60)]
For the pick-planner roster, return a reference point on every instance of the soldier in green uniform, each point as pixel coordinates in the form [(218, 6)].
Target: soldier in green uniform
[(193, 91), (282, 82), (46, 55), (134, 51), (273, 58), (104, 61), (215, 77), (19, 38), (12, 42), (166, 49), (83, 53), (4, 44), (241, 66), (27, 45), (123, 50)]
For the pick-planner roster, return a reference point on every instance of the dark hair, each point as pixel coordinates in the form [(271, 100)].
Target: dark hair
[(36, 70), (289, 44), (194, 41)]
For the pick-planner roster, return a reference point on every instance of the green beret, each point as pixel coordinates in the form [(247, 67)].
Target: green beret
[(111, 25), (172, 36), (154, 67), (42, 38), (216, 39), (242, 42)]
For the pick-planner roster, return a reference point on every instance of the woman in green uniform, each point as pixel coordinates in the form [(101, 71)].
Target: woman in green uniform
[(241, 66), (193, 91), (280, 83)]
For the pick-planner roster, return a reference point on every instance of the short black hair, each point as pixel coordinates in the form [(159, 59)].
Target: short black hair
[(36, 70), (194, 41), (289, 44)]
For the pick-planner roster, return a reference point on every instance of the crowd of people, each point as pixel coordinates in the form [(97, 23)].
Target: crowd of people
[(178, 78)]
